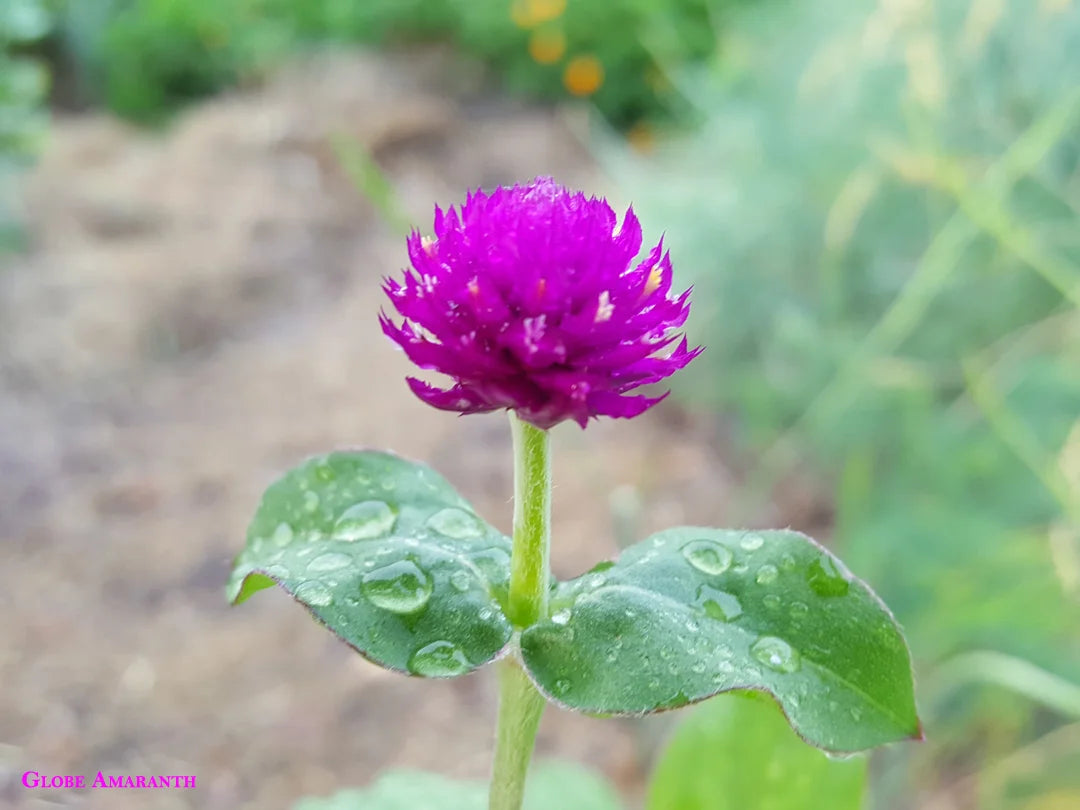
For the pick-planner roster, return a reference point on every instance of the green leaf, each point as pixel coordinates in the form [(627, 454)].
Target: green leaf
[(691, 612), (551, 786), (555, 785), (737, 753), (387, 555)]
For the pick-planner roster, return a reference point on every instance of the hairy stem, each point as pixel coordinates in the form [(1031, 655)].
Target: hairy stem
[(532, 524), (520, 705)]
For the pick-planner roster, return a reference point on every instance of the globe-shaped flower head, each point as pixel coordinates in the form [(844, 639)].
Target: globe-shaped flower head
[(530, 299)]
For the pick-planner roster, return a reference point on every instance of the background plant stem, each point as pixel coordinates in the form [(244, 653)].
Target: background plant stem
[(520, 705)]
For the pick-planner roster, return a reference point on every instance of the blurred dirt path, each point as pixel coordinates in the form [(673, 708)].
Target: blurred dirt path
[(197, 313)]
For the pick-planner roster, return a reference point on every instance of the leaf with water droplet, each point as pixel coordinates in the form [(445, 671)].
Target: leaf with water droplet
[(388, 556), (691, 622)]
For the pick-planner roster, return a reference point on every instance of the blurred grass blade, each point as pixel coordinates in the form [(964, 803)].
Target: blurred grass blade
[(370, 181)]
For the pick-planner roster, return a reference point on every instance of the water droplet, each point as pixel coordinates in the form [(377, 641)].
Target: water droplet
[(612, 656), (752, 542), (787, 562), (562, 686), (456, 523), (561, 616), (314, 593), (283, 534), (494, 563), (718, 604), (439, 659), (771, 601), (400, 587), (776, 654), (592, 581), (331, 561), (825, 578), (364, 520), (766, 575), (856, 713), (699, 667), (460, 580), (324, 472), (692, 626), (707, 556), (311, 501), (485, 614), (799, 610)]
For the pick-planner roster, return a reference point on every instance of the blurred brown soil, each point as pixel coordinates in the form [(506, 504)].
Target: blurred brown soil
[(196, 313)]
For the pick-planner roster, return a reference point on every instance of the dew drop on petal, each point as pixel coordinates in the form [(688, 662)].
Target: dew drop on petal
[(776, 654), (562, 686), (314, 593), (311, 501), (400, 587), (364, 520), (771, 601), (707, 556), (439, 659)]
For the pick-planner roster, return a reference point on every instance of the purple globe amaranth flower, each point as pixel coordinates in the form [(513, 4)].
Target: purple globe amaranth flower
[(529, 299)]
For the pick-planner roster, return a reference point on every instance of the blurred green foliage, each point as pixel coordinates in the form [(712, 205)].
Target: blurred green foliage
[(146, 57), (23, 89), (737, 752), (881, 214)]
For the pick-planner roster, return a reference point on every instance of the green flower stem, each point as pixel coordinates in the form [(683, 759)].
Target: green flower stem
[(520, 705), (532, 524)]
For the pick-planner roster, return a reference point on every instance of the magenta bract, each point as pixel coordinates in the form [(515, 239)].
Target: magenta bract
[(530, 299)]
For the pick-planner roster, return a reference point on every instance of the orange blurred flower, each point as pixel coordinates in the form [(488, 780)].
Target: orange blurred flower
[(583, 75), (547, 45), (530, 13)]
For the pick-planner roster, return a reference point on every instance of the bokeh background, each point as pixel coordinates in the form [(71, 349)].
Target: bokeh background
[(878, 203)]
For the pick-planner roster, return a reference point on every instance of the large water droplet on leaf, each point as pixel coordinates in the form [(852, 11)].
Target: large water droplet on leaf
[(314, 593), (494, 563), (776, 654), (331, 561), (400, 587), (439, 659), (456, 523), (364, 520), (718, 604), (825, 578), (707, 556)]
